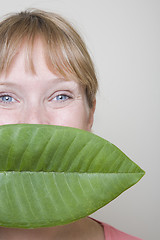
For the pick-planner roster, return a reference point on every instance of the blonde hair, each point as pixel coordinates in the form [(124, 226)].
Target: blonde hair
[(65, 51)]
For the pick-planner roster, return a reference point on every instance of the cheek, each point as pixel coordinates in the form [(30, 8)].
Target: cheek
[(76, 117), (7, 117)]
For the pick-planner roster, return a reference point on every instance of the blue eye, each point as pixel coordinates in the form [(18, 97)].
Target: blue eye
[(6, 99), (61, 97)]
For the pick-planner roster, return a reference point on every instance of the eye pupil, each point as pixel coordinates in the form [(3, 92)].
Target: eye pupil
[(62, 97), (7, 99)]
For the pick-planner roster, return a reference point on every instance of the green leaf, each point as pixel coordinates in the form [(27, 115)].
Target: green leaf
[(53, 175)]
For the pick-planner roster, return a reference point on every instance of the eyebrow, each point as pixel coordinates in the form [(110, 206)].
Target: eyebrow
[(52, 81), (8, 84), (15, 84)]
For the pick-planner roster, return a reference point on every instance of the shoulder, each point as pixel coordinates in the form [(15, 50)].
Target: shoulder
[(112, 233)]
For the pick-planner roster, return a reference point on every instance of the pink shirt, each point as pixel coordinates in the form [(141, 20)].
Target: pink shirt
[(112, 233)]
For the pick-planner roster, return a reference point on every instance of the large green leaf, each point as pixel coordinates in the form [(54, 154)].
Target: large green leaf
[(52, 175)]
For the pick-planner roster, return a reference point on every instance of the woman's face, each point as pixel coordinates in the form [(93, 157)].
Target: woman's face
[(41, 98)]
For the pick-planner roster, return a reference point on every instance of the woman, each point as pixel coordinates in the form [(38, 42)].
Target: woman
[(47, 77)]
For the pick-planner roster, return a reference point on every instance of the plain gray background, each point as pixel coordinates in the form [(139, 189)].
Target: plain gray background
[(123, 37)]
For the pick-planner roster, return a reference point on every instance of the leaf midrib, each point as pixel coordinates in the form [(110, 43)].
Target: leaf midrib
[(45, 172)]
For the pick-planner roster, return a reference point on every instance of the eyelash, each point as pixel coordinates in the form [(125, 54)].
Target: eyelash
[(67, 97), (61, 96), (6, 95), (51, 99)]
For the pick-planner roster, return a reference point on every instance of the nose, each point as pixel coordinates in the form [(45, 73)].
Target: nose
[(34, 115)]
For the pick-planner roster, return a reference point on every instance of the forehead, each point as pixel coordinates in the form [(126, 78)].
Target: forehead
[(20, 73), (32, 59)]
